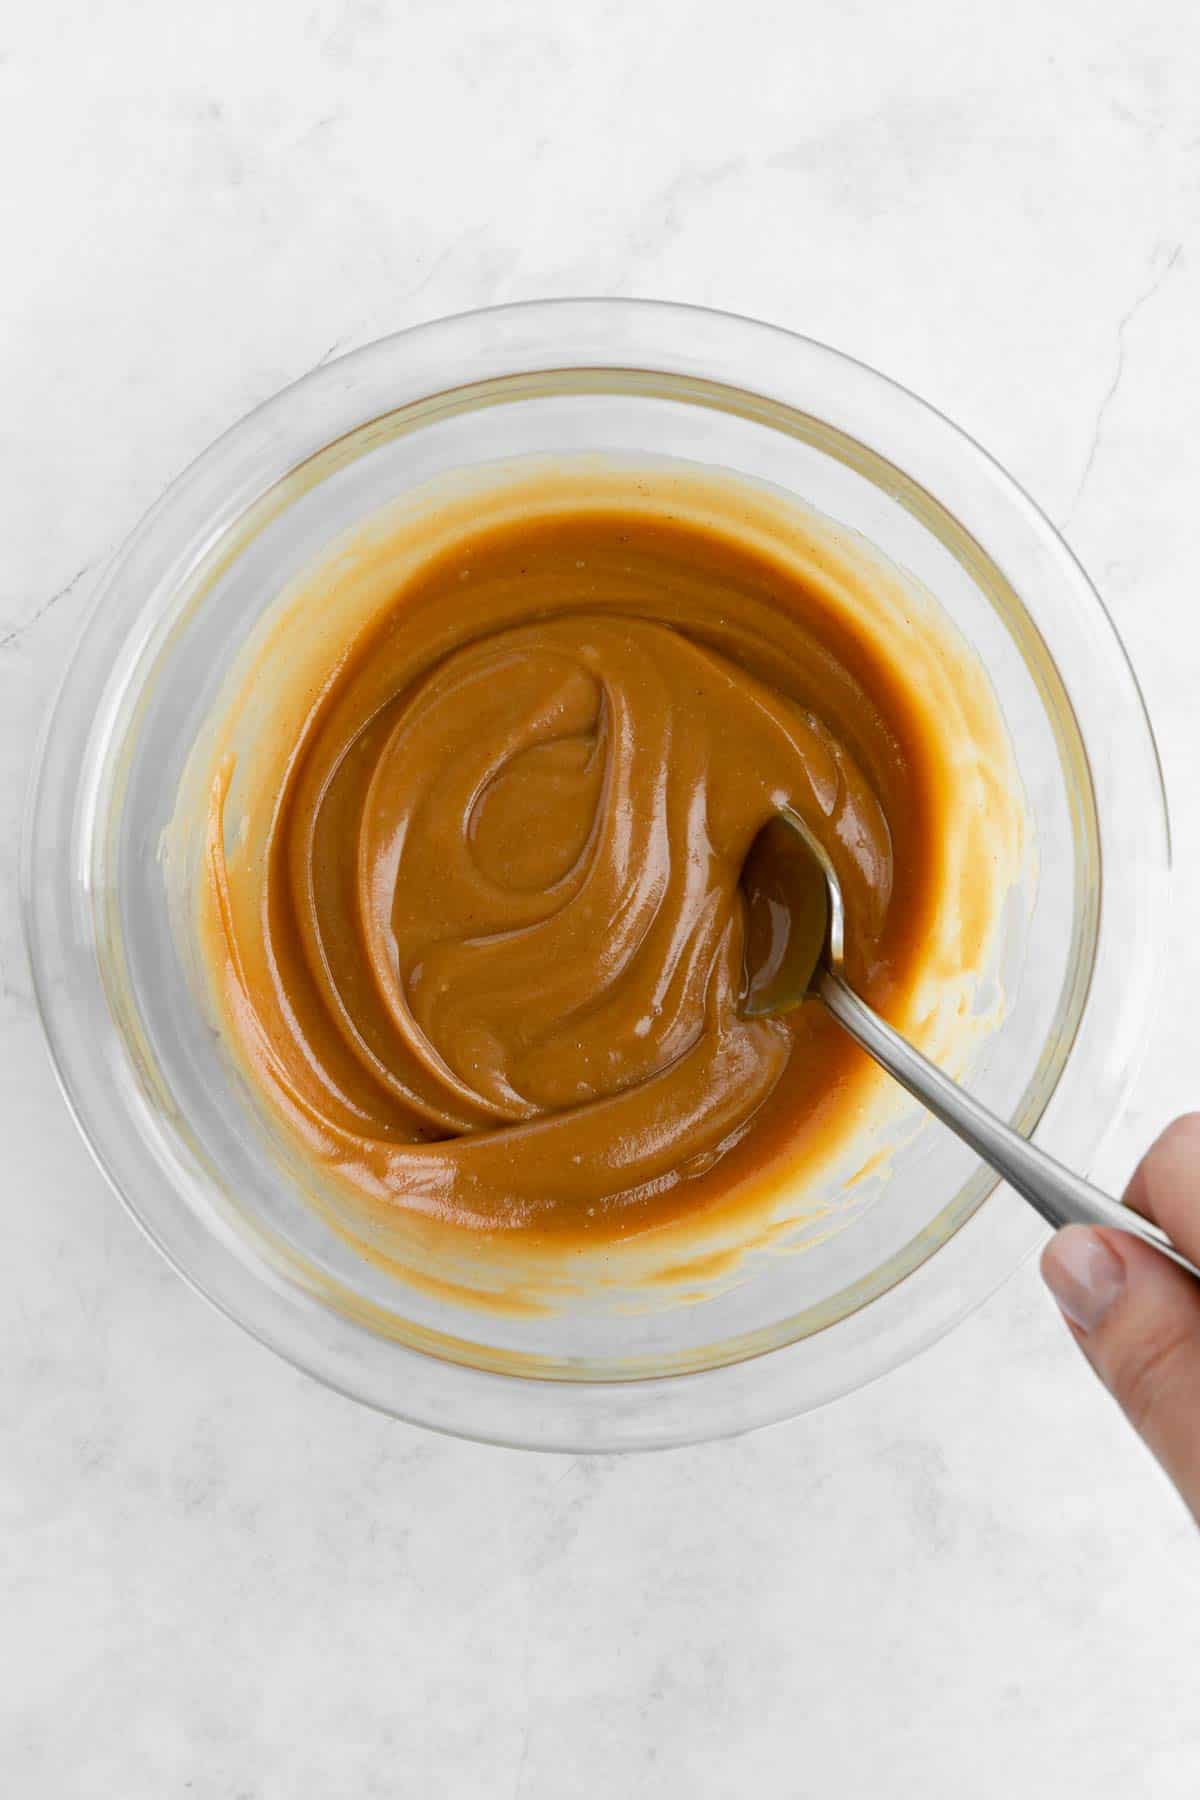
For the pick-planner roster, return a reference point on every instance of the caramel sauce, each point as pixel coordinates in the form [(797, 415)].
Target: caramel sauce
[(477, 815)]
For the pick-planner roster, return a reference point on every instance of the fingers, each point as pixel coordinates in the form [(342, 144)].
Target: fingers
[(1166, 1184), (1135, 1315)]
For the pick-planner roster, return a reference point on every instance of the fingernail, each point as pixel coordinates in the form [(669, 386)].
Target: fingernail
[(1084, 1275)]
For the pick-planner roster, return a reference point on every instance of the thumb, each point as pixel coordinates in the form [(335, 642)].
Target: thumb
[(1136, 1315)]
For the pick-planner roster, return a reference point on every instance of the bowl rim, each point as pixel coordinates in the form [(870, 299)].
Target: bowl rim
[(508, 1408)]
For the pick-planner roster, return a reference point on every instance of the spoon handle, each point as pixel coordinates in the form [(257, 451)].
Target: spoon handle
[(1061, 1197)]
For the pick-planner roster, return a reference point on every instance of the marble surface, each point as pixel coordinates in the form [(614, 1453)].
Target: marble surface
[(219, 1581)]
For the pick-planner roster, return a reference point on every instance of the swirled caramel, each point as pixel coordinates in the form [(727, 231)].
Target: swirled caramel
[(477, 811)]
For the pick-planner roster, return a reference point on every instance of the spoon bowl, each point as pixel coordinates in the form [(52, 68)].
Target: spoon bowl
[(794, 916)]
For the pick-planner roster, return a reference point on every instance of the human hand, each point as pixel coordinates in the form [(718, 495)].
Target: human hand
[(1135, 1314)]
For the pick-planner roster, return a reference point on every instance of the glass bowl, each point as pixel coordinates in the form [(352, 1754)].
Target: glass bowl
[(163, 1108)]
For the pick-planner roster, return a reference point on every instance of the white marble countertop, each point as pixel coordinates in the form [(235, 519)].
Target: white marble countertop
[(218, 1580)]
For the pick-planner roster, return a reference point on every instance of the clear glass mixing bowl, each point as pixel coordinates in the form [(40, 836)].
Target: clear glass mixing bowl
[(162, 1108)]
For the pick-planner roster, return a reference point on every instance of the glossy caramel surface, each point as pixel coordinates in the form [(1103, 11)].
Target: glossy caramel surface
[(481, 942)]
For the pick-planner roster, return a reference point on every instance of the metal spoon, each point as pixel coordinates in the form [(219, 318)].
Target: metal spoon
[(795, 939)]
